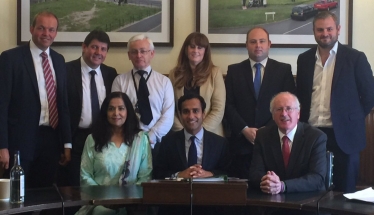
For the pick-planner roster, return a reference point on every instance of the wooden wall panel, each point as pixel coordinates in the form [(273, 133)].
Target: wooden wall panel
[(366, 176)]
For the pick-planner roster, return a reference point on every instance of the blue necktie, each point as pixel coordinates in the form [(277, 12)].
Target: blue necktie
[(192, 152), (257, 80), (95, 106)]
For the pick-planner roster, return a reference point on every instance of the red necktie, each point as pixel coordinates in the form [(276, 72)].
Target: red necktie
[(50, 87), (285, 150)]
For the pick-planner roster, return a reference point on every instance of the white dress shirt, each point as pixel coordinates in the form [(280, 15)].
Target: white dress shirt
[(320, 112), (37, 59), (290, 136), (161, 98), (86, 116), (263, 65), (198, 142)]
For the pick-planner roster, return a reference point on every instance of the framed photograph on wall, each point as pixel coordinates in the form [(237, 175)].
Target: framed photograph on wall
[(121, 19), (289, 22)]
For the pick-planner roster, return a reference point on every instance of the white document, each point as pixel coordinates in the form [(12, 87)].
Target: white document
[(366, 195)]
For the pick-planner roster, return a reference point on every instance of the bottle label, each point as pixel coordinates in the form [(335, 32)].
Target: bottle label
[(22, 185)]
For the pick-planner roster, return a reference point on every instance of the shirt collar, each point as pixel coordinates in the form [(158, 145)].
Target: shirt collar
[(263, 62), (35, 50), (87, 68), (147, 70), (290, 134), (333, 51), (198, 136)]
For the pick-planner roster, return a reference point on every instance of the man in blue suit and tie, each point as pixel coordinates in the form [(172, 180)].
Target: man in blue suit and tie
[(250, 85), (192, 151), (335, 87), (34, 114)]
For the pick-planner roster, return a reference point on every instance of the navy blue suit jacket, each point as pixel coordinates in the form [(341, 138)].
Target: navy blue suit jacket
[(75, 89), (306, 170), (352, 94), (242, 108), (20, 102), (172, 155)]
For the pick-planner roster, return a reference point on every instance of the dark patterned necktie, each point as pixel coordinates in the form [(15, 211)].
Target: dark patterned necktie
[(95, 105), (192, 152), (143, 100)]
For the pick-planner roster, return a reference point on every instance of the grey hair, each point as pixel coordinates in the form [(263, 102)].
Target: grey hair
[(295, 98), (141, 37)]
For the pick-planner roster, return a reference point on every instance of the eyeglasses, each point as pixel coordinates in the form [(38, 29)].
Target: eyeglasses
[(287, 109), (136, 52)]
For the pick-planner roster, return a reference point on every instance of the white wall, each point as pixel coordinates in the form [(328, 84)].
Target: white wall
[(184, 19)]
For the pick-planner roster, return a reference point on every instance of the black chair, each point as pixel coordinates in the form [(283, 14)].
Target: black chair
[(330, 165)]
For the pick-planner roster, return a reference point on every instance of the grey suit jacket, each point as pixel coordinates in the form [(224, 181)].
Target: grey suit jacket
[(307, 165)]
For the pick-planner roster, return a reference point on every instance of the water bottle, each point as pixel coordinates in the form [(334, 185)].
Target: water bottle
[(17, 181)]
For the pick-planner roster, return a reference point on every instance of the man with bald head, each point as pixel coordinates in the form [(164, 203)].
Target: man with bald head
[(289, 156), (250, 85)]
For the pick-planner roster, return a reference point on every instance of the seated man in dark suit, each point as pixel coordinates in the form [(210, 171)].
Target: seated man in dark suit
[(289, 156), (207, 156)]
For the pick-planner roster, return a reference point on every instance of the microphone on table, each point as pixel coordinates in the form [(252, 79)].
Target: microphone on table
[(320, 198), (62, 198)]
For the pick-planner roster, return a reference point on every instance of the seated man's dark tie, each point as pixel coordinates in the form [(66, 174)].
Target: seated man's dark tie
[(95, 106), (143, 100), (192, 152)]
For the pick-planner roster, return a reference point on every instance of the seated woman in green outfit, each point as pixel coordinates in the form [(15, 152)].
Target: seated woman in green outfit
[(117, 152)]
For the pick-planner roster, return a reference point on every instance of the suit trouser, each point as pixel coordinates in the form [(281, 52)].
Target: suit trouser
[(346, 166), (70, 175), (40, 171)]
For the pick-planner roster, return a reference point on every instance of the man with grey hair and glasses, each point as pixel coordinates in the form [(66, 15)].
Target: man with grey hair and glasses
[(335, 86), (289, 156), (150, 92)]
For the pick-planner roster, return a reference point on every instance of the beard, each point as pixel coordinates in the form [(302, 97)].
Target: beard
[(326, 45)]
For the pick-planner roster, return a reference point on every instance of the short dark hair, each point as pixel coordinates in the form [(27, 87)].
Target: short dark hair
[(99, 35), (257, 27), (44, 13), (190, 96), (325, 15), (102, 131)]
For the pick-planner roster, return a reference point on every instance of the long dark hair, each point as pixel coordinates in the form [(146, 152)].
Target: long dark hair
[(183, 72), (102, 131)]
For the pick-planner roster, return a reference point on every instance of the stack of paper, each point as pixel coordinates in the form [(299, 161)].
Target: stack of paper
[(366, 195)]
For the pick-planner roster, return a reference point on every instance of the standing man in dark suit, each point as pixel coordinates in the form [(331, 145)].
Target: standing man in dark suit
[(250, 85), (335, 86), (80, 86), (34, 114), (192, 151), (289, 156)]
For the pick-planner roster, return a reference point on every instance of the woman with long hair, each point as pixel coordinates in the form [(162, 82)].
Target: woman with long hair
[(117, 152), (196, 73)]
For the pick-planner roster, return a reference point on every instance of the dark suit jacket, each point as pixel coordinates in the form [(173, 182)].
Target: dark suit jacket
[(75, 90), (20, 103), (172, 155), (352, 95), (306, 169), (242, 108)]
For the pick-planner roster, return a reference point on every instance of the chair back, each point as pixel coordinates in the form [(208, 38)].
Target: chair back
[(330, 165)]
